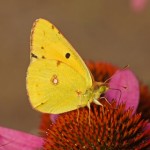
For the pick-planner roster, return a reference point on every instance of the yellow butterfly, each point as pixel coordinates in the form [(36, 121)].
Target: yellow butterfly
[(57, 78)]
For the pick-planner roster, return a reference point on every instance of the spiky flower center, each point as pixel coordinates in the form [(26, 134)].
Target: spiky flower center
[(111, 129)]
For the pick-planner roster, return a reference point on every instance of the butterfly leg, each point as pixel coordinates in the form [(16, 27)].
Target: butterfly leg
[(88, 105), (105, 100), (78, 108), (78, 112), (98, 103)]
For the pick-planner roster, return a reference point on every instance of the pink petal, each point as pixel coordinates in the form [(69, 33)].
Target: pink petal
[(16, 140), (127, 83), (138, 5)]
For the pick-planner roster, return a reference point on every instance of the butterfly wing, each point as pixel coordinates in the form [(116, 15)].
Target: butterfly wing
[(47, 42), (54, 88), (57, 75)]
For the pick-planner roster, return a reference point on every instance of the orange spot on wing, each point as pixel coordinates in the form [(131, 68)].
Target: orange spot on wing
[(78, 92), (43, 57), (42, 47), (58, 63), (54, 80), (52, 27)]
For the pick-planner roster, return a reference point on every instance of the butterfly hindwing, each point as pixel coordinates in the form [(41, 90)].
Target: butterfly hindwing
[(54, 87)]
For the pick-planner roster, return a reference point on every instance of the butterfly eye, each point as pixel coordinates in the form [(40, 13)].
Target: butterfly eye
[(67, 55)]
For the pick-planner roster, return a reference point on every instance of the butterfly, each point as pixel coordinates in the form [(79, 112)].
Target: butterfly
[(57, 79)]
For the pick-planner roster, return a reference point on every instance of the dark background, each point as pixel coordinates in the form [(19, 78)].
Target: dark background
[(99, 30)]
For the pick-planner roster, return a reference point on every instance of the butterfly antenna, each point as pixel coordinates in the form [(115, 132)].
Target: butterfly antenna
[(124, 68)]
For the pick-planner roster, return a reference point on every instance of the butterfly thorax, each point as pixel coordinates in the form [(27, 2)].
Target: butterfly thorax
[(95, 91)]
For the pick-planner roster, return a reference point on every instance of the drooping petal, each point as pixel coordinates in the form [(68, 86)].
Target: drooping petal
[(17, 140), (126, 82)]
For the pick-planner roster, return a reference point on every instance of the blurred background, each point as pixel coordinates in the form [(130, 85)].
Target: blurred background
[(117, 32)]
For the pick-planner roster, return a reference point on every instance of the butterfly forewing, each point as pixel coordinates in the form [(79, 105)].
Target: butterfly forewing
[(48, 42)]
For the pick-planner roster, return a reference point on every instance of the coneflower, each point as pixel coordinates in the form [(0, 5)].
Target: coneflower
[(119, 127)]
